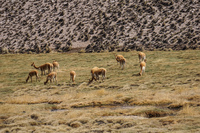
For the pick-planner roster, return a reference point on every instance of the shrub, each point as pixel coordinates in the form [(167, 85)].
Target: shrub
[(48, 49), (82, 51), (75, 124)]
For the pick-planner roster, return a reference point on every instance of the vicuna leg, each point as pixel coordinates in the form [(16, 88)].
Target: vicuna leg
[(97, 77), (27, 79), (56, 79), (93, 77), (122, 65), (37, 77), (74, 78), (103, 75)]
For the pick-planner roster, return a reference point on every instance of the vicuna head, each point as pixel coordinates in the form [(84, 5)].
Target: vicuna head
[(33, 64)]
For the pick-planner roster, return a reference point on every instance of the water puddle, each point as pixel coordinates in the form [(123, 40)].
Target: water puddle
[(125, 117), (59, 110), (112, 107), (155, 111)]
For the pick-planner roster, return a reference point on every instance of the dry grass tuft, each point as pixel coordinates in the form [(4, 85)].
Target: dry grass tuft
[(74, 114), (150, 112), (75, 124), (188, 110), (27, 99), (101, 92), (168, 122)]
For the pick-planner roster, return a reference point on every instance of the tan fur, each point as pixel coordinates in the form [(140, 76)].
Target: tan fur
[(72, 76), (51, 67), (51, 76), (118, 57), (142, 56), (142, 68), (95, 72), (122, 62), (46, 66), (55, 65), (31, 74)]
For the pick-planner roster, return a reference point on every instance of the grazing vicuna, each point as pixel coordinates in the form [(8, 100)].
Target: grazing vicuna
[(72, 76), (118, 57), (31, 74), (46, 66), (142, 56), (55, 65), (51, 76), (142, 68), (95, 72)]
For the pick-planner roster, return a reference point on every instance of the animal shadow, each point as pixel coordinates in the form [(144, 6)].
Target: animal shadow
[(136, 74)]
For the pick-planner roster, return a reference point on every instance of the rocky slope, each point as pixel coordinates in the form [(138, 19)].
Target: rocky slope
[(97, 25)]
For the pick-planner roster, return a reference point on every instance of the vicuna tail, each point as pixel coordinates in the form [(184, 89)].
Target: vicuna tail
[(143, 69)]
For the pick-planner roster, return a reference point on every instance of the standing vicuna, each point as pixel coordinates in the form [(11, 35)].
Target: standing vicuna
[(51, 76), (46, 66), (122, 61), (142, 68), (142, 56), (95, 72), (31, 74), (55, 65), (72, 76)]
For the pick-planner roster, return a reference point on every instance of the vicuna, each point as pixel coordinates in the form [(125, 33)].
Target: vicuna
[(31, 74), (51, 76), (142, 68), (142, 56), (95, 72), (55, 65), (46, 66), (72, 76), (118, 57)]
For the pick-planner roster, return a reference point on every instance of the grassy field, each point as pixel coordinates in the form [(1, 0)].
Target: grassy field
[(165, 99)]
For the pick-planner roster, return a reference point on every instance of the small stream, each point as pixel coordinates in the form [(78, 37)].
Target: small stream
[(112, 107), (158, 111)]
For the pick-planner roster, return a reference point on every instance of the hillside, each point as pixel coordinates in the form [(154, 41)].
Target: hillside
[(98, 25)]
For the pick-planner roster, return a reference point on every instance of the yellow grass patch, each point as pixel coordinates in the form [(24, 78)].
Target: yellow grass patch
[(189, 111), (27, 99)]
